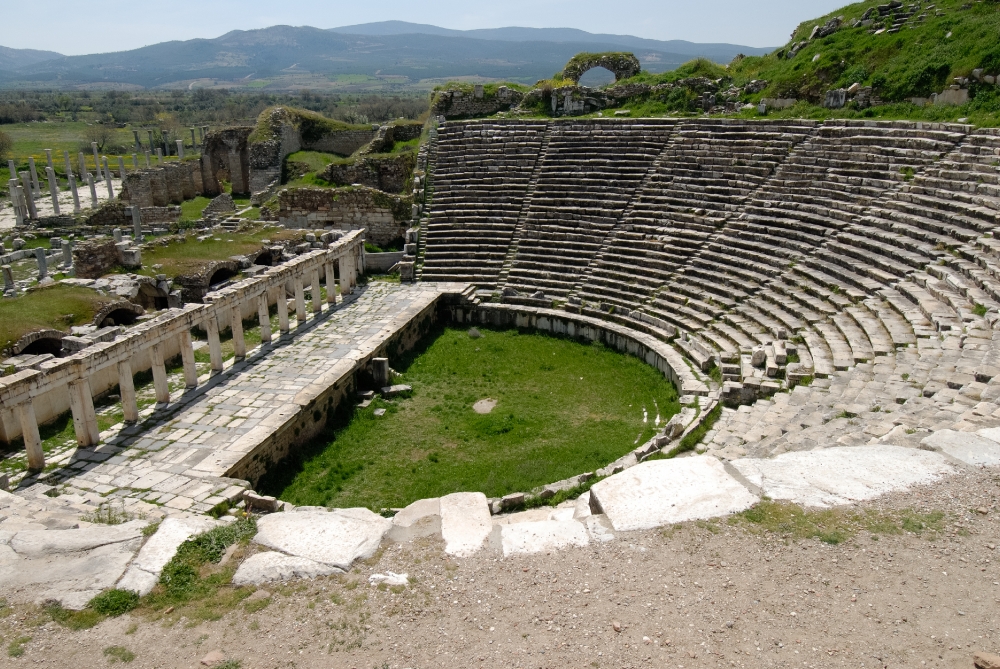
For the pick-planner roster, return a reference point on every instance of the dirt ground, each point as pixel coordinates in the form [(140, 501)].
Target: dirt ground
[(698, 595)]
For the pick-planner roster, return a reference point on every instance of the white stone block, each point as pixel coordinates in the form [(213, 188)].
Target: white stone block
[(662, 492), (420, 519), (538, 537), (271, 566), (40, 543), (465, 522), (336, 538), (979, 448), (835, 476)]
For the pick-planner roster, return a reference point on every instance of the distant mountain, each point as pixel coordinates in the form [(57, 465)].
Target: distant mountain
[(722, 53), (285, 57), (12, 59)]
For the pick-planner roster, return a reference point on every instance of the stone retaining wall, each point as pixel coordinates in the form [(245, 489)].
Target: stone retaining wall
[(384, 218), (170, 183), (389, 174)]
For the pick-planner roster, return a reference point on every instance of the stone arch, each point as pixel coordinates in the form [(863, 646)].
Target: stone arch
[(39, 342), (223, 272), (622, 65), (122, 312)]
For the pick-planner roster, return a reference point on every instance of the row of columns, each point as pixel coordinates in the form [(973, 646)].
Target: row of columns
[(81, 398)]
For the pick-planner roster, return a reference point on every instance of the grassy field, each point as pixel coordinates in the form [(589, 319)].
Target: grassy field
[(57, 307), (190, 256), (563, 408)]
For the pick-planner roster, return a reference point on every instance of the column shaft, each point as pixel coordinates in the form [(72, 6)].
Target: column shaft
[(300, 301), (283, 309), (331, 284), (84, 417), (187, 357), (32, 440), (317, 302), (214, 343), (265, 318), (126, 388), (160, 384), (236, 324)]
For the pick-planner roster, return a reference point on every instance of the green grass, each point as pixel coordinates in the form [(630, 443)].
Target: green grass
[(57, 307), (315, 160), (190, 256), (114, 602), (16, 647), (834, 526), (118, 654), (564, 408), (191, 209)]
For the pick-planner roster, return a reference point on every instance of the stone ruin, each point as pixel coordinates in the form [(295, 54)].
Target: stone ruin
[(823, 289)]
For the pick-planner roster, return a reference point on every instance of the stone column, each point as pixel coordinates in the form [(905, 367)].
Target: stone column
[(300, 301), (136, 224), (317, 302), (43, 269), (83, 165), (48, 159), (180, 149), (35, 186), (160, 384), (8, 279), (135, 161), (69, 165), (214, 343), (116, 233), (264, 316), (344, 283), (15, 200), (12, 168), (283, 310), (93, 189), (121, 168), (76, 194), (126, 388), (25, 412), (53, 189), (164, 135), (135, 134), (67, 253), (331, 284), (159, 155), (146, 154), (107, 179), (187, 359), (29, 195), (193, 143), (150, 133), (84, 417), (97, 162), (236, 325)]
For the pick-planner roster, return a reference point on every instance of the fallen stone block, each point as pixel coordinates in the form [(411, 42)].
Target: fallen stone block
[(256, 502), (144, 572), (272, 566), (40, 543), (395, 391), (986, 661), (537, 537), (420, 519), (389, 578), (972, 448), (842, 475), (662, 492), (465, 522), (336, 538)]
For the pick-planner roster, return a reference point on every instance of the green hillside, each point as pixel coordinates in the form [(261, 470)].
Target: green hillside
[(892, 56), (923, 57)]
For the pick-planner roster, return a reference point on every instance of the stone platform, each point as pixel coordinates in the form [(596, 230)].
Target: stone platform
[(185, 455)]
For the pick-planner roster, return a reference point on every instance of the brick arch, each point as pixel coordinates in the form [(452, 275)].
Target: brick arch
[(622, 65)]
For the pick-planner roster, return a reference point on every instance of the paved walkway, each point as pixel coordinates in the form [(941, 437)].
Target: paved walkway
[(178, 456)]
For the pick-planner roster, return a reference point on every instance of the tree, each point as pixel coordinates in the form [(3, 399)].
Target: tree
[(100, 133), (6, 146)]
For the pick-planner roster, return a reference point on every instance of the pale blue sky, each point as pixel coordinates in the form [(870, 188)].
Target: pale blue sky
[(115, 25)]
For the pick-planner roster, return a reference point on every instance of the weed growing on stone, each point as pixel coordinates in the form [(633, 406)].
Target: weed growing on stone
[(118, 654), (108, 514), (74, 620), (563, 408)]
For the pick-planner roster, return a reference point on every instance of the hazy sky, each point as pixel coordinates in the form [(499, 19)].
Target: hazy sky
[(116, 25)]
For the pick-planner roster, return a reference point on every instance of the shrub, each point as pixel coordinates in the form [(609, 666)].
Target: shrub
[(115, 602)]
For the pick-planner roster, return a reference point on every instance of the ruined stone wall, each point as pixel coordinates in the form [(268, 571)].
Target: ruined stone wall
[(461, 104), (94, 259), (170, 183), (389, 174), (384, 218)]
